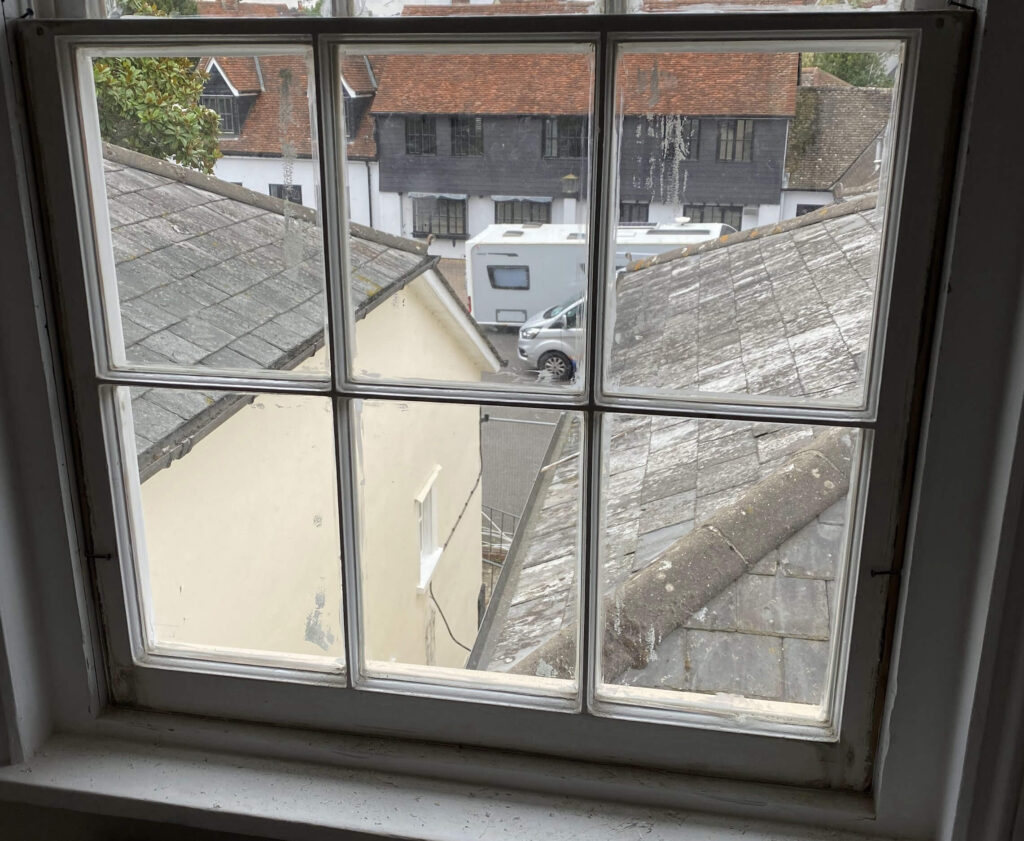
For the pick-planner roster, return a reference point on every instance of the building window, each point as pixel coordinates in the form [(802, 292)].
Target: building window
[(226, 108), (633, 212), (426, 515), (727, 214), (441, 216), (350, 117), (289, 192), (565, 137), (509, 277), (420, 136), (522, 211), (735, 140), (467, 136), (802, 209)]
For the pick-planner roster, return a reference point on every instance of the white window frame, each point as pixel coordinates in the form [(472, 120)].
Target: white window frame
[(426, 515), (302, 699)]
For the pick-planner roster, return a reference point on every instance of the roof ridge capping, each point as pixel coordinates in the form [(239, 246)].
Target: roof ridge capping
[(212, 184), (701, 564), (828, 211)]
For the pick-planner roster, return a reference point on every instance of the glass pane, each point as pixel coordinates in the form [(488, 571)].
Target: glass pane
[(779, 191), (235, 516), (697, 6), (210, 245), (723, 555), (472, 235), (221, 8), (462, 574), (384, 8)]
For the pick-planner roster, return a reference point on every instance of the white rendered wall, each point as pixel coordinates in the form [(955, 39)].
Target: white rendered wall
[(258, 174), (791, 198)]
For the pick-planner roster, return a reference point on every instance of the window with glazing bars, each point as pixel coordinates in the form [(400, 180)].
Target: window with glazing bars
[(666, 421), (565, 137), (728, 214), (517, 211), (227, 111), (633, 212), (445, 217), (420, 136), (735, 140), (467, 135)]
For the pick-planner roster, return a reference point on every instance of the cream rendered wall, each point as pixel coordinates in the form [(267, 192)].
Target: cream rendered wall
[(400, 446), (241, 533)]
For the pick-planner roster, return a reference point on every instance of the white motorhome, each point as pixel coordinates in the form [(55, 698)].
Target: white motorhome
[(515, 271)]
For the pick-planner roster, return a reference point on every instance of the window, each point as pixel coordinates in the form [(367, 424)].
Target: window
[(349, 105), (735, 140), (441, 216), (420, 136), (801, 209), (565, 137), (633, 212), (467, 136), (426, 511), (520, 211), (290, 192), (631, 399), (509, 277), (727, 214), (227, 111)]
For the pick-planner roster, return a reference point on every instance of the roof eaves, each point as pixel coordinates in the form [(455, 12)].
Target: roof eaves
[(375, 300)]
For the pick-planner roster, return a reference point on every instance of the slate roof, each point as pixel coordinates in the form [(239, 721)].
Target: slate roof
[(214, 275), (741, 84), (783, 310), (832, 129)]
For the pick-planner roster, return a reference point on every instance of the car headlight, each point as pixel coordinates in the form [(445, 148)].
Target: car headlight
[(529, 334)]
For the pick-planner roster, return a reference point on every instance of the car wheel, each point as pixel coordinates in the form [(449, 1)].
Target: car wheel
[(556, 365)]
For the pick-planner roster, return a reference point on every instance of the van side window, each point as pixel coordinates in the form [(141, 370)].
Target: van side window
[(509, 277), (572, 318)]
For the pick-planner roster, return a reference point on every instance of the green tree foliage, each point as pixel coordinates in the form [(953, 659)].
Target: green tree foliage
[(859, 69), (152, 105)]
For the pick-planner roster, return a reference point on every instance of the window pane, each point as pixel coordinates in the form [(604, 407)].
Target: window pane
[(734, 293), (196, 271), (501, 183), (460, 572), (723, 555), (235, 524)]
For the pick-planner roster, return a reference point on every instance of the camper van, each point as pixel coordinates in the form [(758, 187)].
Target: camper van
[(516, 271)]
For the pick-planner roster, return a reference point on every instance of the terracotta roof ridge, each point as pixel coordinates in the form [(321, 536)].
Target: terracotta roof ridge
[(826, 212)]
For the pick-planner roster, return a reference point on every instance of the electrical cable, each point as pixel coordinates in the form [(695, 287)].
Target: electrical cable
[(444, 619)]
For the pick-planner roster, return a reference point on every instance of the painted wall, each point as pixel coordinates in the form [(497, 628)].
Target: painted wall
[(242, 533), (791, 198), (258, 173)]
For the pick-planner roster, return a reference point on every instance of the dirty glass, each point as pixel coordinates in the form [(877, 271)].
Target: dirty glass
[(722, 561), (205, 192), (426, 243), (235, 523), (468, 529), (784, 309)]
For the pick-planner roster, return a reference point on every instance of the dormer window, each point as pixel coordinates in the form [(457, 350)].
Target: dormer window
[(227, 110)]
